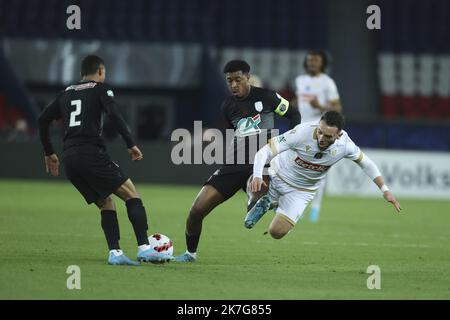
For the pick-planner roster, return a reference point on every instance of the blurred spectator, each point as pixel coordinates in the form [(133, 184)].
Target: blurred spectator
[(255, 81)]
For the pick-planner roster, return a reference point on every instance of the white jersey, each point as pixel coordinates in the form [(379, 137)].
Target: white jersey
[(296, 163), (321, 87)]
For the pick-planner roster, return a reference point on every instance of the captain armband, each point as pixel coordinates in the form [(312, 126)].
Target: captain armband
[(283, 107)]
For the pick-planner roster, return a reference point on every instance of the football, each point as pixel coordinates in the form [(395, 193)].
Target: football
[(161, 243)]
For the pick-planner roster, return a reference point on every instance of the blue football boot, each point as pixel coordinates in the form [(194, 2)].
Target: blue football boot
[(153, 256), (121, 260), (256, 213), (185, 257), (314, 214)]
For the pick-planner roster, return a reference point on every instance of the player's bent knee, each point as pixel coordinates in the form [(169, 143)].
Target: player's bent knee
[(279, 227), (276, 233), (127, 191), (197, 212), (106, 204)]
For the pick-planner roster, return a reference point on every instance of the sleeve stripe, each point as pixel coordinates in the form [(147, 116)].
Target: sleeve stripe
[(360, 157), (272, 146)]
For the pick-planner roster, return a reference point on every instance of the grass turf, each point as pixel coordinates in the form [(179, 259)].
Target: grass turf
[(46, 226)]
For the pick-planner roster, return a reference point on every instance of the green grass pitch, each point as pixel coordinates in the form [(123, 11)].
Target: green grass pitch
[(46, 226)]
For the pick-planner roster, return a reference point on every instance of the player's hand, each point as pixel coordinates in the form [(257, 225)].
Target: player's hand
[(390, 198), (135, 153), (52, 164), (256, 184), (315, 103)]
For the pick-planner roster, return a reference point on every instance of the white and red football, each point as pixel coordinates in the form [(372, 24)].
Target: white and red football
[(161, 243)]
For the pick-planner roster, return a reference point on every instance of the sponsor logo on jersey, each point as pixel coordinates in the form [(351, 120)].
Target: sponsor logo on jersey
[(248, 126), (311, 166), (258, 106), (281, 139), (78, 87)]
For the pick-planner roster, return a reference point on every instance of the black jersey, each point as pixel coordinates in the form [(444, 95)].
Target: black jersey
[(82, 107), (253, 118)]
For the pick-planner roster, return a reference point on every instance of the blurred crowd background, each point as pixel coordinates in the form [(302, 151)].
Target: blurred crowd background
[(164, 59)]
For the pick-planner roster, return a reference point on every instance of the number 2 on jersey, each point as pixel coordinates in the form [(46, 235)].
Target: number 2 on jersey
[(73, 122)]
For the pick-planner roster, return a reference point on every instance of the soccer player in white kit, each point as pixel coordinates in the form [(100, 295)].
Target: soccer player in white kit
[(300, 159), (316, 93)]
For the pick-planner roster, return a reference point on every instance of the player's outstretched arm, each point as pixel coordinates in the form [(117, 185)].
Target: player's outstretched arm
[(387, 194), (371, 169)]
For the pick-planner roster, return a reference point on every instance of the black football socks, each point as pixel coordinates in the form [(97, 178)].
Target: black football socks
[(110, 227), (138, 218), (192, 242)]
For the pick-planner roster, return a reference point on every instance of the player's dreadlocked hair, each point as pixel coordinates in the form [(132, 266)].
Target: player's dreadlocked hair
[(236, 65), (333, 119), (90, 65), (321, 53)]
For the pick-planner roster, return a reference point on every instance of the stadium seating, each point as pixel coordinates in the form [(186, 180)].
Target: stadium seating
[(250, 23), (413, 48), (414, 59)]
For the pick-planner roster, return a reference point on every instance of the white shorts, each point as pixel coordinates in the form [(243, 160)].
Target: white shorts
[(290, 201)]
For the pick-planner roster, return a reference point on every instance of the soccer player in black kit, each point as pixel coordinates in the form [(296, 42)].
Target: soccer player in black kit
[(249, 111), (82, 107)]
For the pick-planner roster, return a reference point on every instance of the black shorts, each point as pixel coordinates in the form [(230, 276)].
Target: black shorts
[(230, 178), (95, 175)]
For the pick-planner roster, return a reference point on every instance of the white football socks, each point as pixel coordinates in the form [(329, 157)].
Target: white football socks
[(144, 247), (116, 252), (192, 254)]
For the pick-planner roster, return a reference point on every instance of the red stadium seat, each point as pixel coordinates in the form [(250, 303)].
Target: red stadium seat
[(389, 106), (408, 107), (442, 105)]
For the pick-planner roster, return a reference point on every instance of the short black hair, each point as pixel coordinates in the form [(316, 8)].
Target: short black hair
[(236, 65), (320, 53), (90, 64), (334, 119)]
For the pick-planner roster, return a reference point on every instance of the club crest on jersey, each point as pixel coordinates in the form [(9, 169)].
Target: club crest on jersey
[(258, 106), (110, 93), (307, 148), (333, 152), (248, 126)]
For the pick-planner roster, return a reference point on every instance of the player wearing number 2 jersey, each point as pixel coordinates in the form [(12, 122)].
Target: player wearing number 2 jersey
[(82, 108)]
